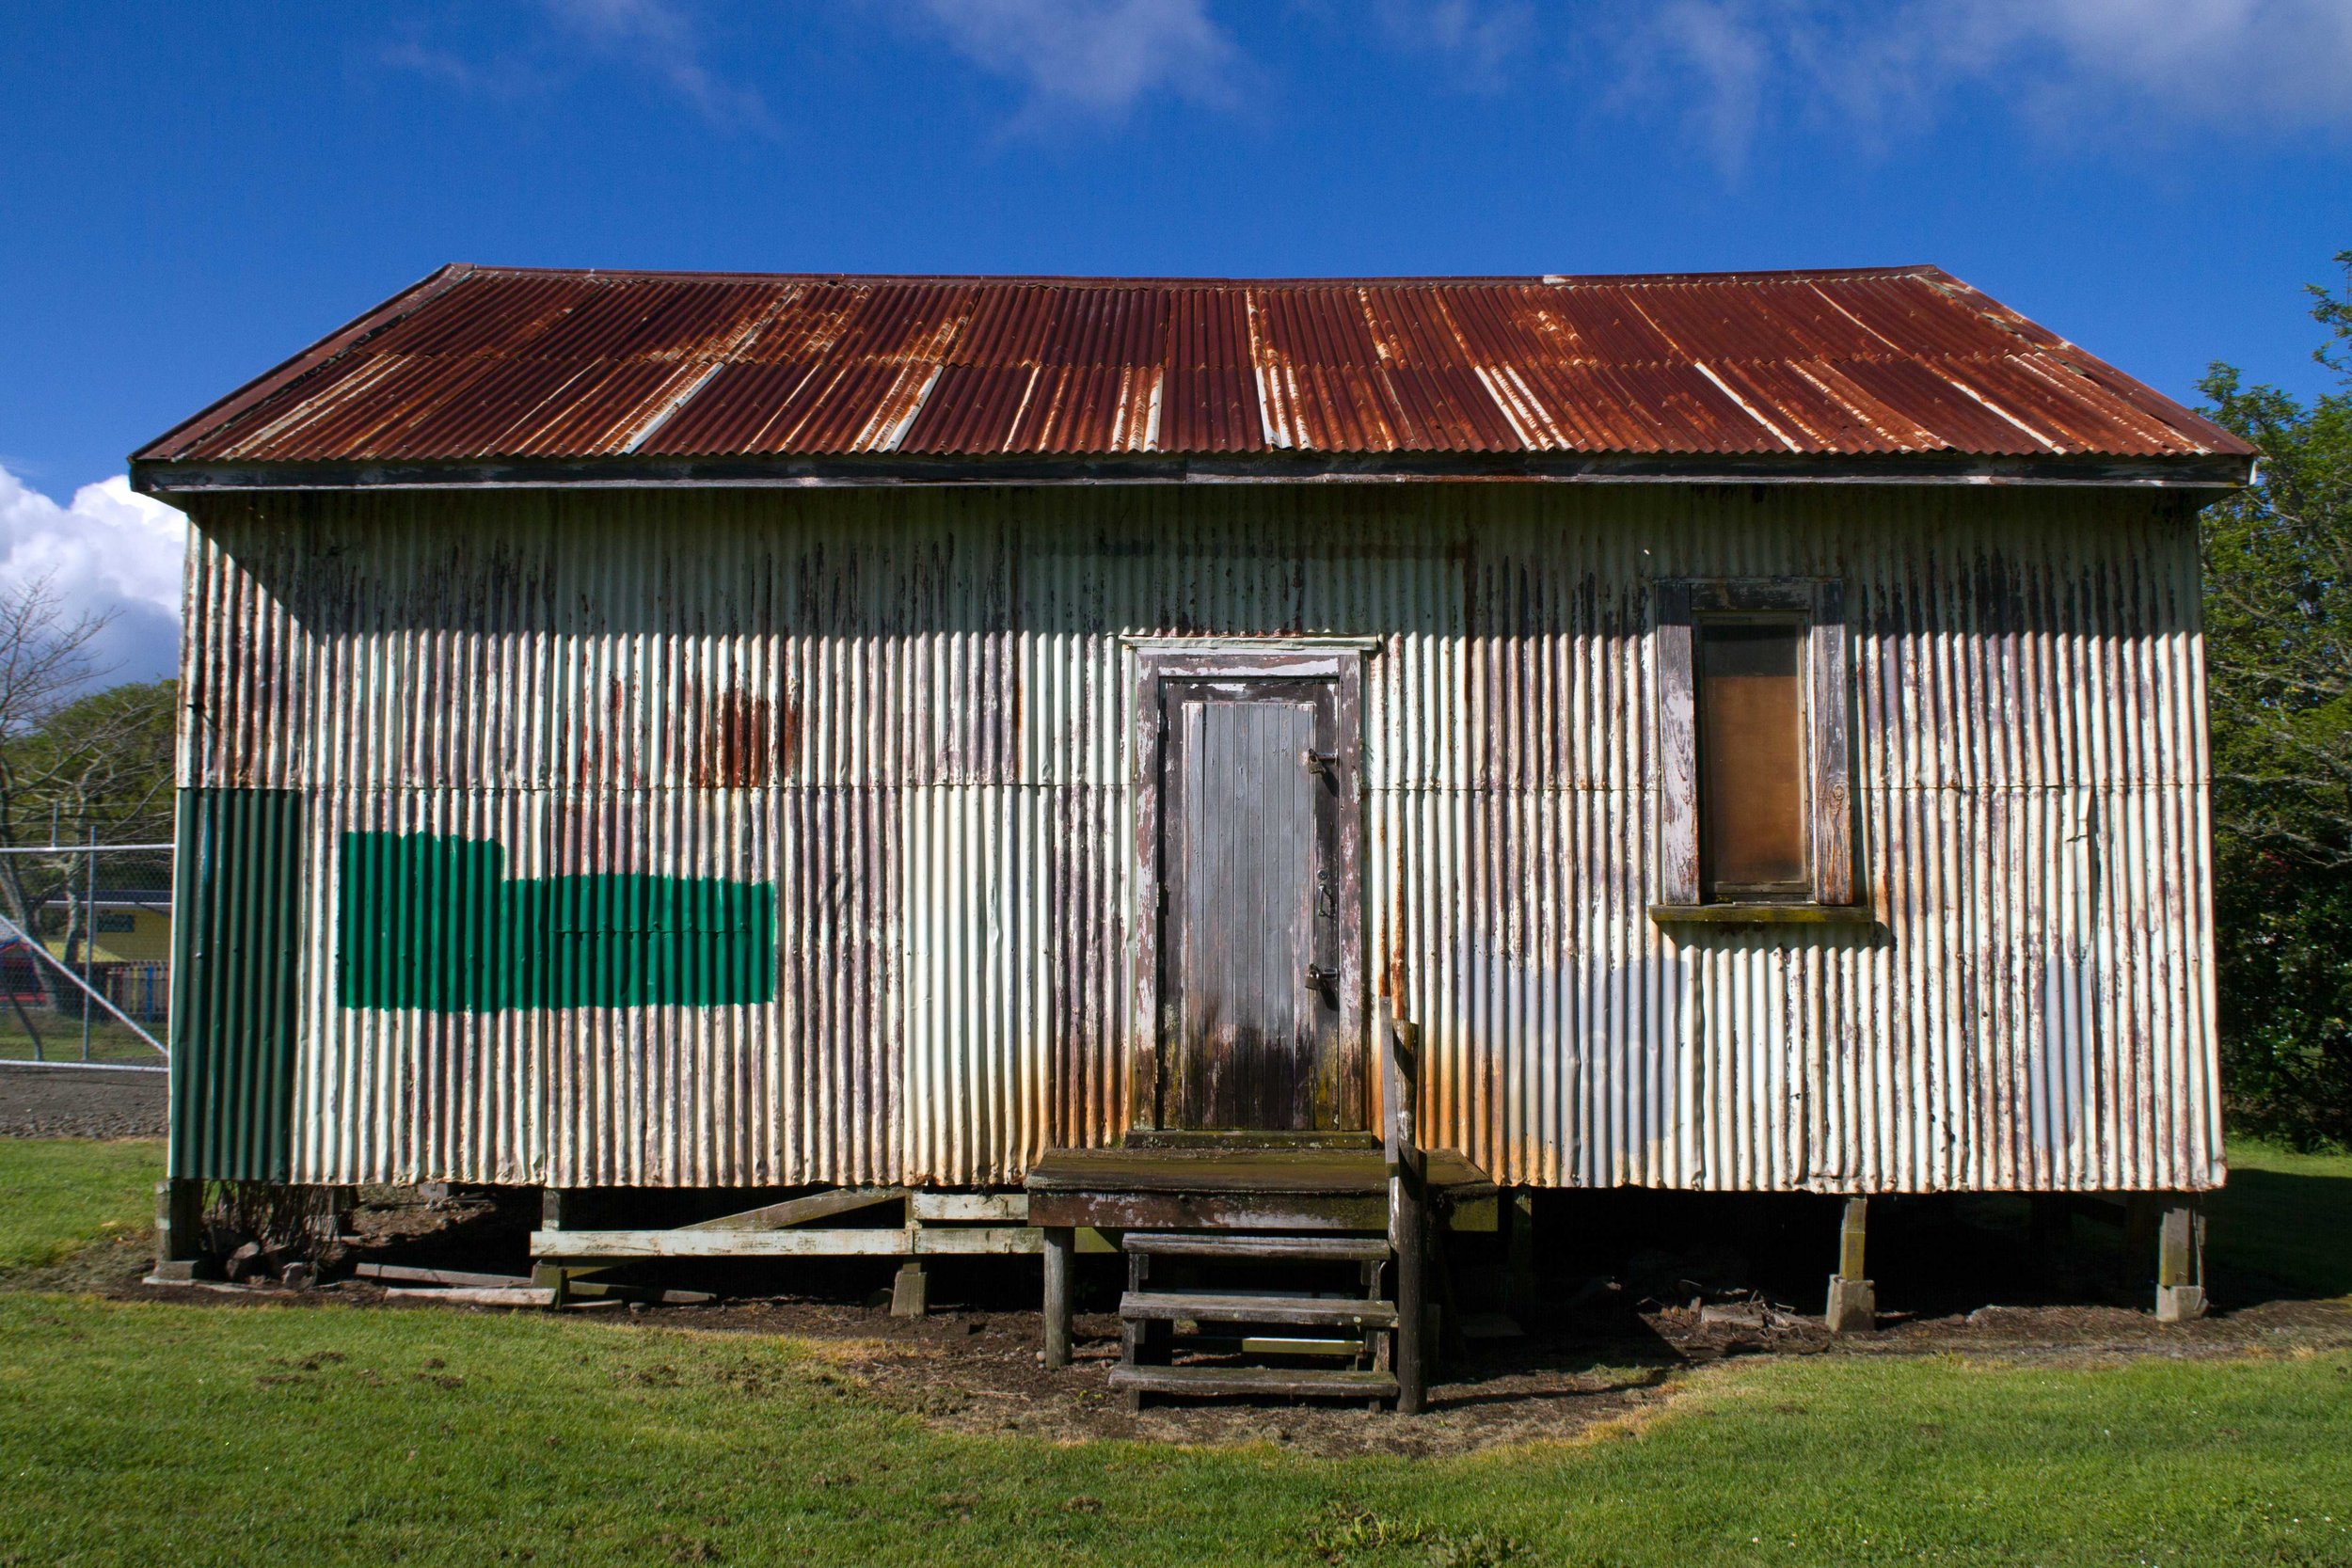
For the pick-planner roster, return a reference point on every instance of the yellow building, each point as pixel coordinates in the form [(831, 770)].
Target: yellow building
[(132, 928)]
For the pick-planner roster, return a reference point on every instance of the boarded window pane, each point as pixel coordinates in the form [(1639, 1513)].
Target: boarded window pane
[(1751, 759)]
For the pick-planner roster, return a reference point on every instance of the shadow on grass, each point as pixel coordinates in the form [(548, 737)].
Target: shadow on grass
[(2282, 1234)]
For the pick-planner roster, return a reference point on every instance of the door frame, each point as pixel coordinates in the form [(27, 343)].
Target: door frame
[(1339, 660)]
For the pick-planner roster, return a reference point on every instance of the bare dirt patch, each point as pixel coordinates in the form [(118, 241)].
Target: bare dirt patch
[(1566, 1381), (1482, 1402), (81, 1103)]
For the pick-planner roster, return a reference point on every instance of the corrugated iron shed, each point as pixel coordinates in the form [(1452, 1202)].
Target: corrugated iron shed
[(911, 715), (491, 364)]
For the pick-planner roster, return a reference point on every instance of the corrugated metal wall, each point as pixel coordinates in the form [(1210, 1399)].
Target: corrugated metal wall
[(237, 962), (908, 712)]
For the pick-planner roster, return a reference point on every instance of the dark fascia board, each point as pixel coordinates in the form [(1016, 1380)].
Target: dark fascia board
[(2204, 472)]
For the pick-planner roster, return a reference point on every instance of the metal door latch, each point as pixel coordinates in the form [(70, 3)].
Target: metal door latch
[(1319, 977), (1323, 765)]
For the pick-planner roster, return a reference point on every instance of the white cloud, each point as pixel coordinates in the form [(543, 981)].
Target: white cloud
[(1097, 57), (109, 551), (1479, 40), (2095, 70), (1731, 61), (506, 77), (2277, 64), (660, 36)]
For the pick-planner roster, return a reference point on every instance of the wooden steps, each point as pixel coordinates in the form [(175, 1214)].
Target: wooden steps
[(1310, 1382), (1261, 1244), (1201, 1307), (1183, 1296), (1252, 1246)]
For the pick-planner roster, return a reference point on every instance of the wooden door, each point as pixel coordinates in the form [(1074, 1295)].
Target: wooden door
[(1259, 966)]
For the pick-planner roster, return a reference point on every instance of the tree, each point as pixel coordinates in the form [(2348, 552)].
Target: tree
[(73, 760), (2278, 565)]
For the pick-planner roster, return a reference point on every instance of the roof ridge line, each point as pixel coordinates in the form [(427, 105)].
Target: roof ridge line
[(1146, 280)]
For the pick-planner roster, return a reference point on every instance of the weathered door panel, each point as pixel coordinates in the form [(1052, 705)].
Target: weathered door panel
[(1256, 940)]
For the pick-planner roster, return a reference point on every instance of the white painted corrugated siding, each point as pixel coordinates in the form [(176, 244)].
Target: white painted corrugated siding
[(910, 710)]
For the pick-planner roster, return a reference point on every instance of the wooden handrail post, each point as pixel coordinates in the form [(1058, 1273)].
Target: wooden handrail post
[(1409, 1212)]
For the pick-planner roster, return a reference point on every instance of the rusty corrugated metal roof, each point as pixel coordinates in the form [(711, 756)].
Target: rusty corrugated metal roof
[(487, 363)]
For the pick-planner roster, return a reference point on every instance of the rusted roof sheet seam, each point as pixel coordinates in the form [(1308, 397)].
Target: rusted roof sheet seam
[(2003, 413), (1753, 412)]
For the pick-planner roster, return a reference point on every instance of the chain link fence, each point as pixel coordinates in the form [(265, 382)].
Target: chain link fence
[(86, 954)]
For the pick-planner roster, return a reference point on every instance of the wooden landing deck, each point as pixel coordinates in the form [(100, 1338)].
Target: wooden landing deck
[(1272, 1189)]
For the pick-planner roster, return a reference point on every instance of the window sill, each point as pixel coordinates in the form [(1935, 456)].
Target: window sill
[(1761, 914)]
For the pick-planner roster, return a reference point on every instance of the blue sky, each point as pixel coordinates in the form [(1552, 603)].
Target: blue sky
[(192, 193)]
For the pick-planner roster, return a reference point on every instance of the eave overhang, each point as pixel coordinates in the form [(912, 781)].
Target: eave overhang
[(2203, 472)]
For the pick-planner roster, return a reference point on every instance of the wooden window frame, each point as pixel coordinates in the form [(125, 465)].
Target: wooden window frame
[(1339, 662), (1825, 698)]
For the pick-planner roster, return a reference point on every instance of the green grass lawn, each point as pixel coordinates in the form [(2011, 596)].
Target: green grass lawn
[(61, 1040), (143, 1433), (58, 1195), (2285, 1217)]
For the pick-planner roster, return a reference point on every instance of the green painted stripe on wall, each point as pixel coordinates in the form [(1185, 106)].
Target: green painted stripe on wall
[(235, 971), (436, 923)]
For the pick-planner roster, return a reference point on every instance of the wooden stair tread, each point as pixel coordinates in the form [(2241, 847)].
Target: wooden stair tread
[(1214, 1308), (1308, 1382), (1257, 1244)]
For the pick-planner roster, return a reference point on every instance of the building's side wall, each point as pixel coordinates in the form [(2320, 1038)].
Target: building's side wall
[(909, 713), (122, 936), (143, 936)]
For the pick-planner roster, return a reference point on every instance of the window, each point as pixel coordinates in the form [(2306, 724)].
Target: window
[(1752, 790), (1752, 828)]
